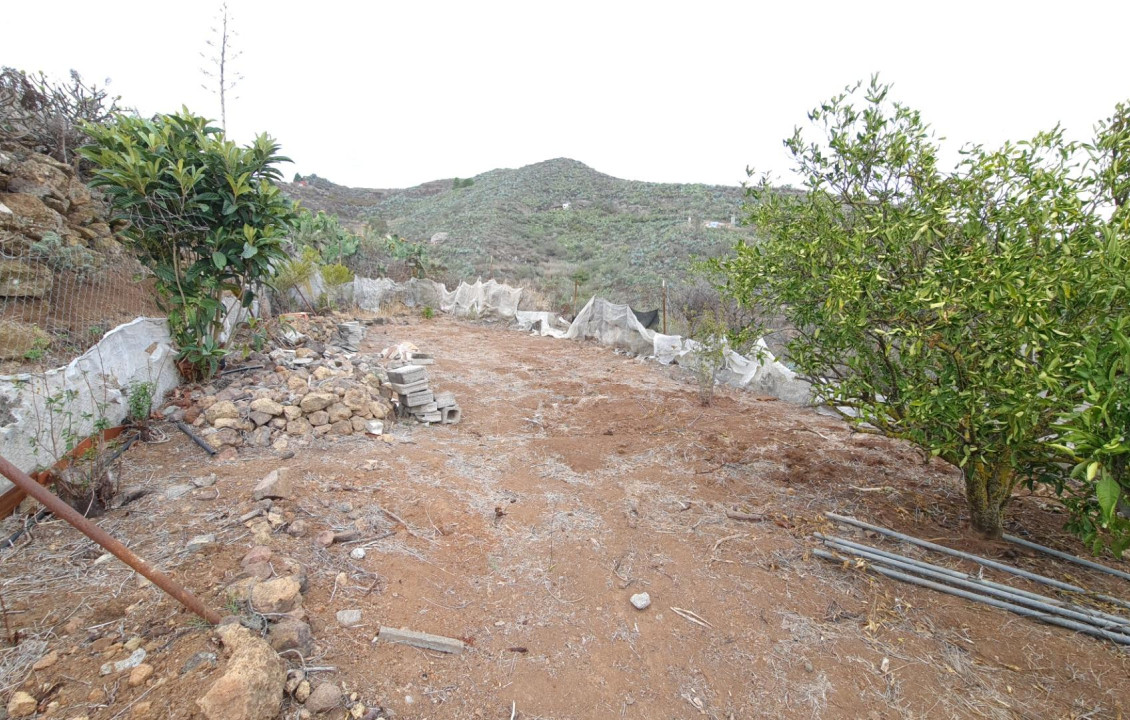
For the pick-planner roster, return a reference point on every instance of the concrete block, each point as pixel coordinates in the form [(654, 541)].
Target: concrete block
[(418, 398), (445, 399), (409, 388), (450, 415), (407, 374), (429, 408), (433, 417)]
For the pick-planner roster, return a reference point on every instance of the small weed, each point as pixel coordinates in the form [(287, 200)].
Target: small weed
[(428, 313)]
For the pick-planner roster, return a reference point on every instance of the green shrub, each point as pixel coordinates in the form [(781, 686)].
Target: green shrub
[(336, 275), (205, 215), (948, 309)]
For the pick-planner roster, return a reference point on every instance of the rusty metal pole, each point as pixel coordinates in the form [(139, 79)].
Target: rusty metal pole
[(100, 536)]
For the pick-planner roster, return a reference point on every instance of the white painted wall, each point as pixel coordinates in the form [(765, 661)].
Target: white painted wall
[(32, 435)]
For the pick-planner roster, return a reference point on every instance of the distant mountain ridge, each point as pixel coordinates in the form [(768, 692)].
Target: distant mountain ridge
[(548, 222)]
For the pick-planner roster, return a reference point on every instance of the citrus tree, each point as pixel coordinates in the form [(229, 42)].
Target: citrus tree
[(204, 214), (950, 309)]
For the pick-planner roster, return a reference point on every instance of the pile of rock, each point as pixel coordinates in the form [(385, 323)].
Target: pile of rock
[(300, 394), (416, 398)]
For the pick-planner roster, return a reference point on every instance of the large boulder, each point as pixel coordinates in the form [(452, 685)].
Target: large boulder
[(253, 682)]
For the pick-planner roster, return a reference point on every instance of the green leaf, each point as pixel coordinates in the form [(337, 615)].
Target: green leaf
[(219, 260), (1107, 492), (249, 251)]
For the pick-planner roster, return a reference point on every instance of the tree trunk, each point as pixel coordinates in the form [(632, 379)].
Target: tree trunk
[(986, 518)]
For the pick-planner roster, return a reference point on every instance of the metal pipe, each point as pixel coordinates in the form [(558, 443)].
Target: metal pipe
[(849, 545), (1041, 603), (1044, 580), (1066, 556), (100, 536), (1043, 617)]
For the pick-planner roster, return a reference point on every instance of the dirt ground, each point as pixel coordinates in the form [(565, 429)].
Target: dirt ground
[(577, 478)]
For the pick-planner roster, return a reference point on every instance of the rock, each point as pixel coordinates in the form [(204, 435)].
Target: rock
[(20, 279), (240, 590), (135, 659), (291, 634), (20, 340), (339, 412), (257, 554), (302, 692), (343, 427), (259, 571), (40, 179), (260, 418), (325, 538), (46, 661), (203, 481), (28, 216), (292, 412), (320, 430), (261, 437), (348, 618), (224, 409), (200, 658), (374, 427), (200, 541), (641, 601), (276, 485), (225, 438), (141, 710), (358, 423), (21, 705), (325, 697), (280, 595), (301, 426), (357, 553), (266, 405), (140, 674), (312, 402), (251, 687), (298, 528), (319, 417), (355, 399)]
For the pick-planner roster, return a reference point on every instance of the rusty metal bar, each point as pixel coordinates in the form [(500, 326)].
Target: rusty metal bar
[(100, 536)]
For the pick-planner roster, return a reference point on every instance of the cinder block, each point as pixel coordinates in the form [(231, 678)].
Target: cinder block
[(430, 417), (409, 388), (450, 415), (429, 408), (418, 398), (445, 399), (407, 374)]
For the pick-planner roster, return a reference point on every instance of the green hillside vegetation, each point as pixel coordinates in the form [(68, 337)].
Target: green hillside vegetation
[(624, 236)]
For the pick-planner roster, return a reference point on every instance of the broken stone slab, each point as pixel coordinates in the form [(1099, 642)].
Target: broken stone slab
[(417, 398), (407, 374), (445, 399), (420, 640), (375, 427), (450, 415), (276, 485), (135, 659)]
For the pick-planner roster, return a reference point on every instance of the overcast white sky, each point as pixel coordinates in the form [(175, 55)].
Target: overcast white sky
[(392, 94)]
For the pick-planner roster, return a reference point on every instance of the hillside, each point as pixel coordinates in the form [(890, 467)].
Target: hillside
[(545, 222)]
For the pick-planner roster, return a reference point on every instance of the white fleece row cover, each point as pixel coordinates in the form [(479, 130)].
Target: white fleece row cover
[(600, 320)]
